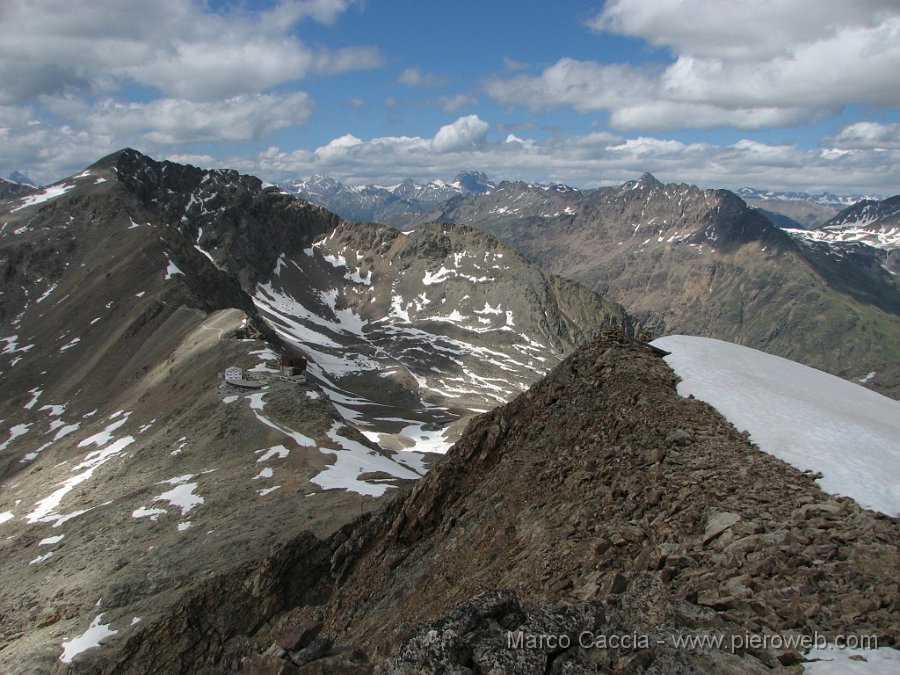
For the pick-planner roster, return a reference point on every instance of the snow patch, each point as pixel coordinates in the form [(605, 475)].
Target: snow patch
[(14, 433), (834, 661), (91, 638), (182, 495), (44, 195), (810, 419), (277, 451), (172, 270), (354, 459)]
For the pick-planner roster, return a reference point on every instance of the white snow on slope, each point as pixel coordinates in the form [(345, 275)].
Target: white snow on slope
[(44, 195), (172, 270), (354, 459), (88, 640), (885, 238), (810, 419), (14, 433), (834, 661)]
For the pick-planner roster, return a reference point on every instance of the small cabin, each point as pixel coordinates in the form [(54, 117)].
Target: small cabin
[(233, 374)]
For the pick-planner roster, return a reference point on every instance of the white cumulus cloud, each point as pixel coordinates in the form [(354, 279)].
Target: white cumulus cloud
[(464, 134), (868, 135), (183, 49), (747, 65), (598, 158)]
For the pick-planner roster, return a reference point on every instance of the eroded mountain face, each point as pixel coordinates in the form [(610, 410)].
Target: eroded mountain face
[(684, 260), (131, 473), (438, 322), (598, 502)]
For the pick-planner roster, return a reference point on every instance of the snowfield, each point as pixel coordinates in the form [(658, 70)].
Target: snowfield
[(810, 419)]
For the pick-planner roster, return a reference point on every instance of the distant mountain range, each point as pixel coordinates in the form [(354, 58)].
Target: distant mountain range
[(391, 205), (399, 204), (156, 517), (798, 209), (821, 198)]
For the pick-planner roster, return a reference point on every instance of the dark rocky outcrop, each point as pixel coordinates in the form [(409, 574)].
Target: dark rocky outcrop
[(13, 190), (597, 505)]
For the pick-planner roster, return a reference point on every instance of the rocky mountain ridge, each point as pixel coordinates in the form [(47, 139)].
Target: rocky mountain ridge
[(869, 222), (572, 510), (130, 474), (849, 271), (701, 262), (10, 189)]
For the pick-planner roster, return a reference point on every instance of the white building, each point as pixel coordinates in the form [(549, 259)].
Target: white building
[(233, 373)]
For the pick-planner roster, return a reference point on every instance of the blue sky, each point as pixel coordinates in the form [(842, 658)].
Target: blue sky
[(780, 94)]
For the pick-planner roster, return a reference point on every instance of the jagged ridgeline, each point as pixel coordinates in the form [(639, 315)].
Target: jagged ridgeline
[(131, 472), (587, 526), (796, 276), (701, 262)]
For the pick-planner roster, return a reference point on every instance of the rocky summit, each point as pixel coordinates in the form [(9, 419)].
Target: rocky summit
[(198, 367), (789, 273), (701, 262), (597, 523)]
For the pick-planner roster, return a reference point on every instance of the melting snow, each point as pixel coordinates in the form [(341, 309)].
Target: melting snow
[(182, 495), (354, 459), (88, 640), (46, 294), (51, 540), (70, 344), (265, 473), (256, 404), (5, 516), (810, 419), (426, 441), (35, 395), (44, 510), (152, 514), (834, 661), (172, 270), (441, 275), (44, 195), (278, 451), (14, 433)]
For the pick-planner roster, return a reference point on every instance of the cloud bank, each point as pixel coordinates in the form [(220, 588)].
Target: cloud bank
[(770, 63)]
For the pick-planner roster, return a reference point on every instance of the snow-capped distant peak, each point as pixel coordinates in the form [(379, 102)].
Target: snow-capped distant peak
[(22, 179), (822, 198)]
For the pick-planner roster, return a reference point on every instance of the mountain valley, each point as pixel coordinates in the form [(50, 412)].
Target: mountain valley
[(480, 446)]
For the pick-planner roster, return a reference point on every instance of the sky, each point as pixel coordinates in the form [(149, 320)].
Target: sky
[(774, 94)]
